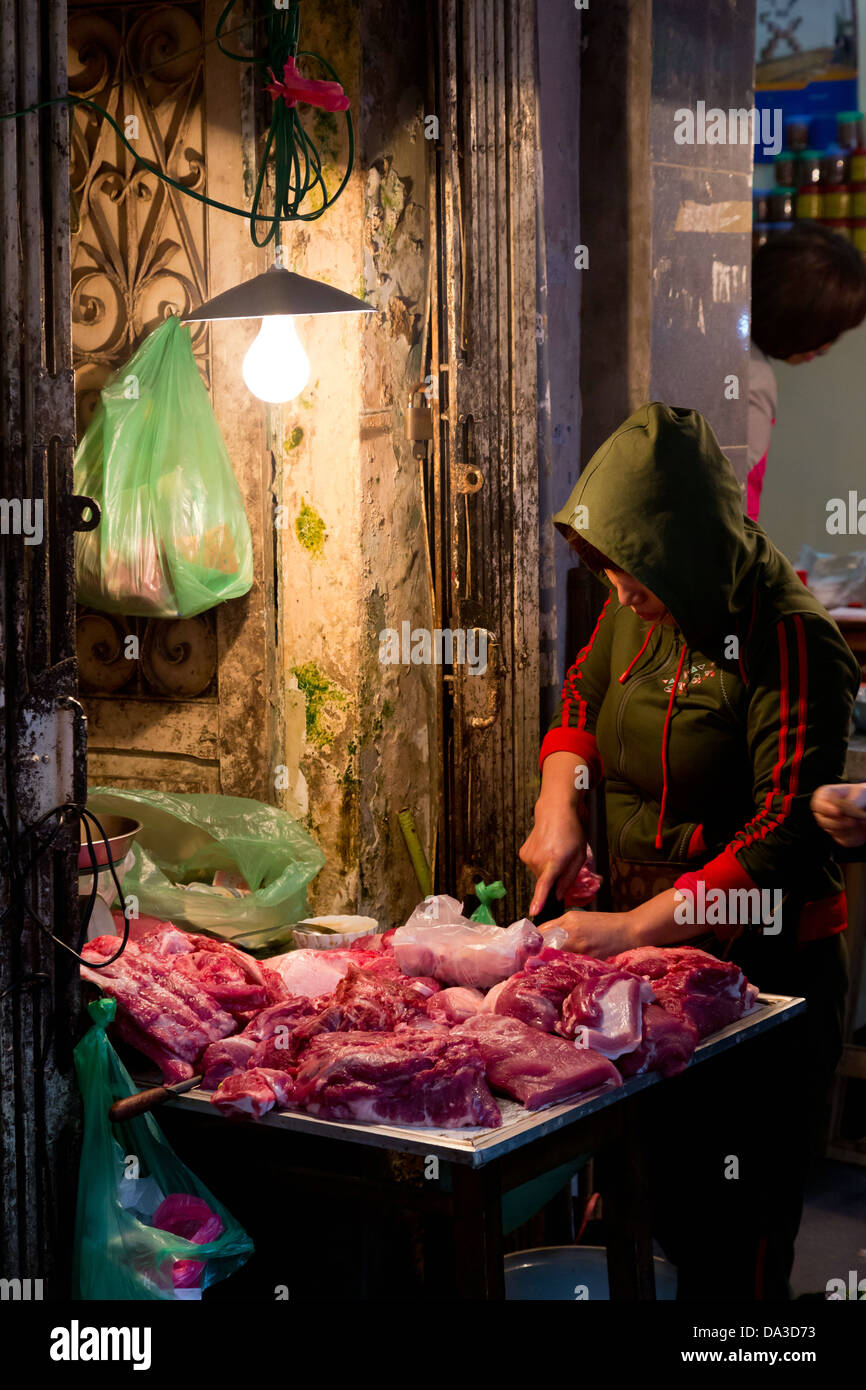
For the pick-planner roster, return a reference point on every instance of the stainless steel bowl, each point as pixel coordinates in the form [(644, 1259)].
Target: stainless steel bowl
[(120, 830)]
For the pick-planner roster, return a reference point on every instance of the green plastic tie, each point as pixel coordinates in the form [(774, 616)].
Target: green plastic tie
[(102, 1011), (487, 893)]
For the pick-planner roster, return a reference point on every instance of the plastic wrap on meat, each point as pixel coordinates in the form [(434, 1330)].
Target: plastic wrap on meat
[(413, 1077), (691, 984), (251, 1094), (439, 941), (536, 1068), (667, 1044), (455, 1004)]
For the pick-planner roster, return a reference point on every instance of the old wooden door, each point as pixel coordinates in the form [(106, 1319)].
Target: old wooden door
[(41, 723), (487, 482)]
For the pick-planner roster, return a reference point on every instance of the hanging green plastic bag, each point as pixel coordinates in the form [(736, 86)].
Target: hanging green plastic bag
[(174, 538), (185, 838), (137, 1203)]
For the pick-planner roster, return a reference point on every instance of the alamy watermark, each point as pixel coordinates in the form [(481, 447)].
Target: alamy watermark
[(22, 516), (421, 646), (722, 907), (738, 126)]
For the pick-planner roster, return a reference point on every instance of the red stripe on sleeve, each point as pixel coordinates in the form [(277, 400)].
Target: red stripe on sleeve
[(573, 675)]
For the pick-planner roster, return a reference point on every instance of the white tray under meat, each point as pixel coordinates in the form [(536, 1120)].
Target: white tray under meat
[(519, 1125)]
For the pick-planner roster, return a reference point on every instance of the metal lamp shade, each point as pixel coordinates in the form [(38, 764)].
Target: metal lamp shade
[(278, 291)]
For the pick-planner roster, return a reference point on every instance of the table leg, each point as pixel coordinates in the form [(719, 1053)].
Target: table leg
[(625, 1192), (477, 1201)]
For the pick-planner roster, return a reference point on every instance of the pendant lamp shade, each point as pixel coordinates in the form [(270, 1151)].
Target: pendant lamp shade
[(278, 291)]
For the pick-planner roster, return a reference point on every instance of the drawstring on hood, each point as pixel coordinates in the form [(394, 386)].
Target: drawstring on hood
[(627, 672)]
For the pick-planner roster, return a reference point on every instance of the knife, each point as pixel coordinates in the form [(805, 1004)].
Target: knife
[(128, 1107)]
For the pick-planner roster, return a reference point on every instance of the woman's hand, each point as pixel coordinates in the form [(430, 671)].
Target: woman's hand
[(598, 934), (554, 850), (841, 811)]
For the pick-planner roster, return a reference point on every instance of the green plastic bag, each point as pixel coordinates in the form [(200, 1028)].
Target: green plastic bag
[(128, 1175), (186, 837), (174, 537)]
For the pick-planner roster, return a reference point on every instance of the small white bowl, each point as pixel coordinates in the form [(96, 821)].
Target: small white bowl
[(353, 929)]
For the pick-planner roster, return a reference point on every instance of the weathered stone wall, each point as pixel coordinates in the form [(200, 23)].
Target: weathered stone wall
[(350, 533)]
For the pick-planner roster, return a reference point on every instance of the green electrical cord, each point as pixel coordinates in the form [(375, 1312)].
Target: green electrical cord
[(297, 164)]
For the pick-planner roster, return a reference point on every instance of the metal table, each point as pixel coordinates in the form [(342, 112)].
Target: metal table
[(482, 1164)]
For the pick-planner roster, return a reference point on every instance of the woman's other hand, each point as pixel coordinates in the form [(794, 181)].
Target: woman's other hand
[(598, 934), (841, 811)]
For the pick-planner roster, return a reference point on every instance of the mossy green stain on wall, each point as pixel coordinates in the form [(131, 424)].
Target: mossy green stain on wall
[(326, 133), (293, 439), (318, 692), (310, 529)]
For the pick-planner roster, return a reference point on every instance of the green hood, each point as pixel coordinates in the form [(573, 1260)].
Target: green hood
[(660, 499)]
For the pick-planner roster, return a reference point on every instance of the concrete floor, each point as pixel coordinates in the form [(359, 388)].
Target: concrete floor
[(832, 1239)]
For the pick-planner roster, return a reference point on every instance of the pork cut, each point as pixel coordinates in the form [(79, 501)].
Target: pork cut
[(577, 996), (266, 1041), (251, 1094), (370, 1002), (313, 973), (691, 984), (667, 1045), (414, 1077), (439, 941), (536, 1068), (455, 1004), (310, 972), (162, 1004), (605, 1009)]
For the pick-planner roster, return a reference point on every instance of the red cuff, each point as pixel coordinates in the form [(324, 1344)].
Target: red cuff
[(724, 872), (577, 741)]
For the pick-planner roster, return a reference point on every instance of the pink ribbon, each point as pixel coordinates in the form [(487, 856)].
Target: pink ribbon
[(328, 96)]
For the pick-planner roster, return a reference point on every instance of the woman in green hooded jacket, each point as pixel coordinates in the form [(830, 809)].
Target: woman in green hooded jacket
[(713, 698)]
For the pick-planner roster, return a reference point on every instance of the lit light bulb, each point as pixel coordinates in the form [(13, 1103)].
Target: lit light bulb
[(276, 368)]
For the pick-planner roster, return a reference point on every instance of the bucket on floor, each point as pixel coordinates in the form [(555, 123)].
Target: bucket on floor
[(561, 1272)]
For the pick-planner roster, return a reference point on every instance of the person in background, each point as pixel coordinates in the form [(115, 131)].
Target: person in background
[(808, 288), (841, 811)]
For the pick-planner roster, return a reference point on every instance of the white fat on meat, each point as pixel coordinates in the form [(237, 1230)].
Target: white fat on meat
[(619, 1029), (310, 973)]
